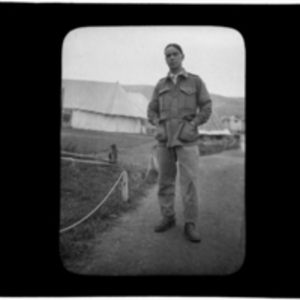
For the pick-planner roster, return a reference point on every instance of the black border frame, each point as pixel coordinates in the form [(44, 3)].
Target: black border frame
[(34, 40)]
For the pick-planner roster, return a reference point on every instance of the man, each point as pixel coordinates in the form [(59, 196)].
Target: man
[(113, 155), (180, 103)]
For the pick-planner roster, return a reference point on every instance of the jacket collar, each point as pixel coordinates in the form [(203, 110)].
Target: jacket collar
[(182, 72)]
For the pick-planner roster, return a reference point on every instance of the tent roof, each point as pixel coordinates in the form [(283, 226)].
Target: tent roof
[(139, 101), (213, 125), (103, 97), (215, 132)]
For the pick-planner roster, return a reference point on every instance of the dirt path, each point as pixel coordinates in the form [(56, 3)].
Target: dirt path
[(133, 248)]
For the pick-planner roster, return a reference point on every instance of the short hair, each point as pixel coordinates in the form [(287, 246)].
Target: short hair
[(175, 46)]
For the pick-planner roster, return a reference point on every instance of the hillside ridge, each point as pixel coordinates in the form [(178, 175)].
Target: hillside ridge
[(223, 105)]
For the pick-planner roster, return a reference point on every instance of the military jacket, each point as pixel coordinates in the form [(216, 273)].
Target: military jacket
[(178, 109)]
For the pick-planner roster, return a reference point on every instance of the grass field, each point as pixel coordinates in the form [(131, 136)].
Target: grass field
[(91, 142), (84, 186), (88, 184)]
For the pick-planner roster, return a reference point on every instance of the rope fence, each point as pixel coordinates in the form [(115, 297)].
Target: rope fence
[(97, 207), (78, 154), (96, 157), (86, 161), (125, 194)]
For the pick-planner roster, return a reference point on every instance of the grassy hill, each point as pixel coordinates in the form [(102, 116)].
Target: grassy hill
[(224, 106), (227, 106)]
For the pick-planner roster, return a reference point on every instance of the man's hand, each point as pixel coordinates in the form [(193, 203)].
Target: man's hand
[(156, 122), (193, 124)]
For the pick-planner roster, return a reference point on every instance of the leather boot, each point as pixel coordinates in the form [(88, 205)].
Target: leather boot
[(165, 224), (191, 233)]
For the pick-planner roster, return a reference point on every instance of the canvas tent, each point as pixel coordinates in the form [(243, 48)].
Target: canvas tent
[(234, 124), (213, 127), (104, 106)]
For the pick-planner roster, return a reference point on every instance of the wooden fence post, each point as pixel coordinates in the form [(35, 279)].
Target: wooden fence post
[(124, 186), (154, 163)]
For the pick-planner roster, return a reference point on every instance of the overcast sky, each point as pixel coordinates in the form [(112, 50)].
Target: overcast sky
[(135, 55)]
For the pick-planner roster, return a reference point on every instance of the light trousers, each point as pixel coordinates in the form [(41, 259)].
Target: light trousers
[(187, 158)]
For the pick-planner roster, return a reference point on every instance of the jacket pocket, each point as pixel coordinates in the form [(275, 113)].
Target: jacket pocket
[(161, 135), (188, 90), (164, 98), (188, 98), (188, 133)]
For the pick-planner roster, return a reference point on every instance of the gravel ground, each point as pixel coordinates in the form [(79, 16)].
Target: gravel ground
[(131, 247)]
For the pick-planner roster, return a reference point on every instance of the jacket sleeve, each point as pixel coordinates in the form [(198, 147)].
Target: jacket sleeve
[(204, 104), (153, 108)]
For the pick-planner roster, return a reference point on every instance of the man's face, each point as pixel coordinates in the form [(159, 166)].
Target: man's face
[(173, 58)]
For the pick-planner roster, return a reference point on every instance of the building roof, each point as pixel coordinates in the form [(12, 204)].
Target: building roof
[(215, 132), (103, 97), (213, 126)]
